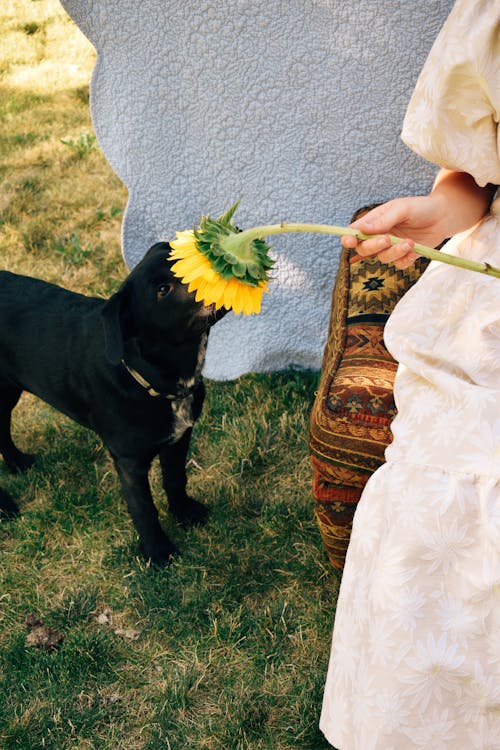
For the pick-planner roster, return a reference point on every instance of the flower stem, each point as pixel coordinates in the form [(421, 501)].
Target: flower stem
[(236, 242)]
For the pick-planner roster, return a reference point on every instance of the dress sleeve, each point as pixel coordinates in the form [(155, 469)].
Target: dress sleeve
[(453, 114)]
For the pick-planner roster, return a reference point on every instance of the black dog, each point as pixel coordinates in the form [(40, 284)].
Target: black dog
[(128, 368)]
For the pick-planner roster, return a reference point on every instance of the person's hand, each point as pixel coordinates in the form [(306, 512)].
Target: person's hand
[(414, 219), (456, 202)]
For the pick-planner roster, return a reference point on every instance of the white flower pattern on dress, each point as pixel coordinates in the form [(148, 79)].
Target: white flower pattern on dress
[(457, 618), (481, 696), (445, 546), (438, 732), (432, 671), (410, 607), (391, 710)]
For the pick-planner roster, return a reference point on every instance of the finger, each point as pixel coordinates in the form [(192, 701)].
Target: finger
[(396, 252), (374, 245), (407, 261), (349, 241), (355, 259)]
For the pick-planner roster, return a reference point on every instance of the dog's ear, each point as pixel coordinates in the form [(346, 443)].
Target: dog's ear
[(112, 320)]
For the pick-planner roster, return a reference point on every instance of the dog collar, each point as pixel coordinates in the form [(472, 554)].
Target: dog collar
[(181, 393)]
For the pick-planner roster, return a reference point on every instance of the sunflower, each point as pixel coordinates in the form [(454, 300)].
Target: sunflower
[(226, 277)]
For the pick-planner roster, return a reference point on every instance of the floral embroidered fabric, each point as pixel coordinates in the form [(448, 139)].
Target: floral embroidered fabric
[(354, 406)]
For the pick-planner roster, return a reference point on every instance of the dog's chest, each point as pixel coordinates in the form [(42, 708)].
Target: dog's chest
[(182, 408), (182, 418)]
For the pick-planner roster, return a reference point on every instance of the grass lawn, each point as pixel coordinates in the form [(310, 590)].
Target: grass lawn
[(227, 647)]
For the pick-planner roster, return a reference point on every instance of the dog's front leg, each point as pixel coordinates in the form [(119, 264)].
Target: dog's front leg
[(185, 509), (155, 544), (7, 505)]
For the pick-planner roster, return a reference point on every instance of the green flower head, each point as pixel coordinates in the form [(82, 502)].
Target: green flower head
[(230, 257)]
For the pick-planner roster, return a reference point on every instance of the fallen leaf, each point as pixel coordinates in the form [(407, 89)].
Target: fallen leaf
[(103, 618), (132, 635), (32, 620), (46, 638)]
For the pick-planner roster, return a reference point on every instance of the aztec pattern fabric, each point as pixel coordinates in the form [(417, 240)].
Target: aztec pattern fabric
[(354, 407)]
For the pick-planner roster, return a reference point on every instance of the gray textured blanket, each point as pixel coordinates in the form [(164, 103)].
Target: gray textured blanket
[(295, 107)]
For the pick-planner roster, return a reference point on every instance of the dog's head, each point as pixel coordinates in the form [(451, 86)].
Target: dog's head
[(153, 305)]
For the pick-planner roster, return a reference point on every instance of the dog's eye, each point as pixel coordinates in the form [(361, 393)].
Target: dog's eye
[(163, 290)]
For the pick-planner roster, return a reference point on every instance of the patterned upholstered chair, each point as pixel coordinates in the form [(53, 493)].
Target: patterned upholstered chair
[(354, 406)]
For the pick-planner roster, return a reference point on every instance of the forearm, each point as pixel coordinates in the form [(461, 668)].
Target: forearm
[(461, 201)]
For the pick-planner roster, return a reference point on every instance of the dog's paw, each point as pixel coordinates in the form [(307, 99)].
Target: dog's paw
[(8, 508), (161, 554), (190, 512)]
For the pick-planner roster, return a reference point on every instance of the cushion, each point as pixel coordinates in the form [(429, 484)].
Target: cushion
[(354, 405)]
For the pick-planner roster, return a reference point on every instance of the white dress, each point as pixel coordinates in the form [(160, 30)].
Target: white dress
[(415, 659)]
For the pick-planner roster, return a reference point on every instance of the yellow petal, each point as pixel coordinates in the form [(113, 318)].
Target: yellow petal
[(184, 245), (216, 294), (207, 277), (236, 284), (228, 296), (193, 266), (184, 265), (238, 303), (256, 301), (180, 253), (186, 237), (199, 295), (247, 301)]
